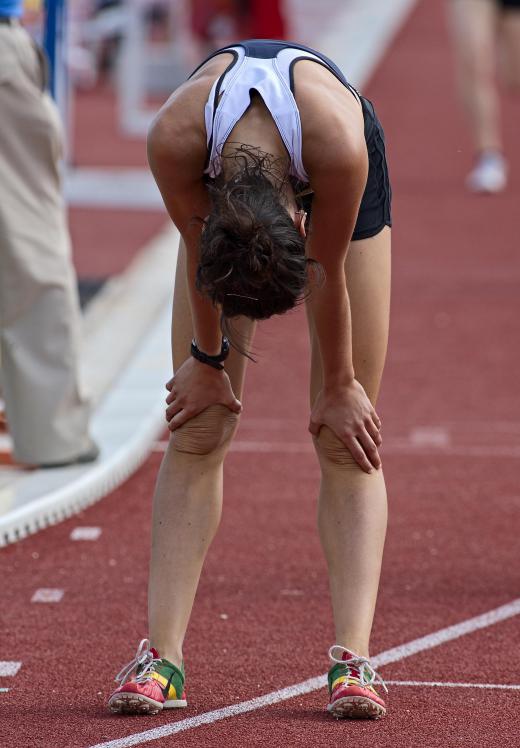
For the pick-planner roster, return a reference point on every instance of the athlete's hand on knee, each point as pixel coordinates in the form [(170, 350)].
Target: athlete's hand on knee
[(348, 412), (194, 388)]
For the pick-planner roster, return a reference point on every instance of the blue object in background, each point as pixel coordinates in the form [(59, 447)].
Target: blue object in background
[(55, 46), (11, 8), (54, 42)]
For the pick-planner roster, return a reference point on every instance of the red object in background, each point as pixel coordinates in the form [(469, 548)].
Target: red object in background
[(211, 17), (267, 21), (256, 19)]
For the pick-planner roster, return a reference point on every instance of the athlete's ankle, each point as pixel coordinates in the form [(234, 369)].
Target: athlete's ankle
[(167, 652), (357, 646)]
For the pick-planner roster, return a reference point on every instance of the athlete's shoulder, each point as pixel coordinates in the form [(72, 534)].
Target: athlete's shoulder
[(333, 136), (177, 134), (179, 126)]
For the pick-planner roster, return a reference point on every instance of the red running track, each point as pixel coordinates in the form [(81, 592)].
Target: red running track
[(105, 240), (262, 619)]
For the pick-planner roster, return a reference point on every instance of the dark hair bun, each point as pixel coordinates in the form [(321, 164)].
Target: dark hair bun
[(252, 257)]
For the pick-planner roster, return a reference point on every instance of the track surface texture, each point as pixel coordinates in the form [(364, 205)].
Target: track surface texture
[(262, 620), (105, 240)]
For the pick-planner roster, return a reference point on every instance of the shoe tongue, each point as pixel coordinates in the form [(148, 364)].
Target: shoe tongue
[(353, 669), (155, 653)]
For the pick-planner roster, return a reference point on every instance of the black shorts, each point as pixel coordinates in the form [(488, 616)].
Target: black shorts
[(509, 4), (375, 211)]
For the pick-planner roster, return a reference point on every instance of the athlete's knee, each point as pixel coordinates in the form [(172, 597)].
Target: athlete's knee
[(208, 432), (332, 452)]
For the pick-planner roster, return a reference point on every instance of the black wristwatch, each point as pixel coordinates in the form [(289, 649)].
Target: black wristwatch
[(214, 361)]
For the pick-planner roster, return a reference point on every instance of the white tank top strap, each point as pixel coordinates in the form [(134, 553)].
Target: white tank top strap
[(271, 78)]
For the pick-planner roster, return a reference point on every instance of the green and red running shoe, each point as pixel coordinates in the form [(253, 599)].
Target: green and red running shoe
[(156, 685), (351, 687)]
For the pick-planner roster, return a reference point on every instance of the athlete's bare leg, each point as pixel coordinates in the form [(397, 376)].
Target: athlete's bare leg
[(188, 495), (474, 27), (352, 509), (510, 37)]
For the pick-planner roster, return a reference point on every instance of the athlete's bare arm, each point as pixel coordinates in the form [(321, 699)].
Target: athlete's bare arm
[(177, 153), (338, 189), (336, 160)]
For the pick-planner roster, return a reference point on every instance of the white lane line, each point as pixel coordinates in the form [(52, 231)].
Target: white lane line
[(255, 446), (313, 684), (112, 188), (285, 447), (429, 436), (451, 632), (47, 595), (434, 684), (403, 446), (391, 447), (85, 533), (9, 668), (266, 423)]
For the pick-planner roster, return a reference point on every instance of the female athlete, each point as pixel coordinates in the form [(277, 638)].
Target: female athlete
[(262, 134)]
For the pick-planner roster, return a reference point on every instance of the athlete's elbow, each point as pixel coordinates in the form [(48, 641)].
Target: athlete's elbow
[(156, 141)]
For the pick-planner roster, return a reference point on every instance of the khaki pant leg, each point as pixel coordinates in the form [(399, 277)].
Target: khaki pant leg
[(39, 310)]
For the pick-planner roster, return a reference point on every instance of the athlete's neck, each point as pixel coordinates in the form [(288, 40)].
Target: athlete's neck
[(257, 130)]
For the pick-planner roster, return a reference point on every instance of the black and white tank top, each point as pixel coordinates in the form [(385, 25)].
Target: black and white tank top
[(264, 66)]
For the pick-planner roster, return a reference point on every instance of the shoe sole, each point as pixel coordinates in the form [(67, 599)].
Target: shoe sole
[(485, 189), (132, 703), (356, 707)]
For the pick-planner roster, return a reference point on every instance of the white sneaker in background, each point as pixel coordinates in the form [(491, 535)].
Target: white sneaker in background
[(489, 174)]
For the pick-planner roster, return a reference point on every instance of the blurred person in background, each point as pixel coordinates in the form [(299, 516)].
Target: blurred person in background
[(258, 137), (481, 29), (94, 33), (46, 410)]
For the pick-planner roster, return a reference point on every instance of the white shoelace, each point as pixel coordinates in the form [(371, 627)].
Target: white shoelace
[(360, 663), (143, 661)]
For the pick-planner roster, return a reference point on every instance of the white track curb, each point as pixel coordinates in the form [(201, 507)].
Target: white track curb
[(80, 491), (128, 419)]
